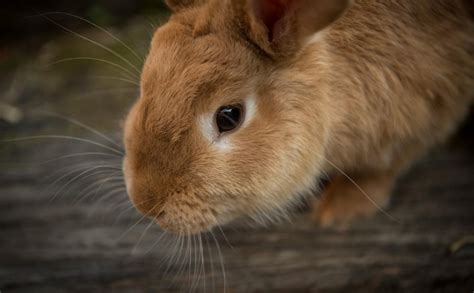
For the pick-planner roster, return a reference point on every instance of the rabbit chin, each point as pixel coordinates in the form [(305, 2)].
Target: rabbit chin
[(186, 219)]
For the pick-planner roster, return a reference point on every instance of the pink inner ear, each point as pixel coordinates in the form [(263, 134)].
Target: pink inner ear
[(270, 12)]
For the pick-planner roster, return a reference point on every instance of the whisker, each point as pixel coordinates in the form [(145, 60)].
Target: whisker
[(198, 266), (176, 257), (363, 192), (77, 177), (222, 260), (134, 225), (203, 264), (62, 137), (152, 23), (181, 259), (183, 239), (135, 248), (199, 262), (76, 168), (155, 243), (211, 262), (114, 192), (98, 44), (192, 264), (82, 125), (127, 209), (176, 253), (138, 57), (92, 189), (93, 93), (225, 238), (89, 190), (121, 69), (190, 256), (61, 158), (116, 79)]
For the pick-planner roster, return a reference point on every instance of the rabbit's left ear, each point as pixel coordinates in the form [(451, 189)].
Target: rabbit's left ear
[(282, 26), (177, 5)]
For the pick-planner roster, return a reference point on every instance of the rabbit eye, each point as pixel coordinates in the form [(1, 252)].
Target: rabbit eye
[(229, 117)]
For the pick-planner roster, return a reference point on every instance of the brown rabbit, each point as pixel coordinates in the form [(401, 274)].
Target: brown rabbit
[(245, 104)]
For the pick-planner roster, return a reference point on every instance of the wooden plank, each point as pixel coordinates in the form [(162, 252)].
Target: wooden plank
[(62, 246)]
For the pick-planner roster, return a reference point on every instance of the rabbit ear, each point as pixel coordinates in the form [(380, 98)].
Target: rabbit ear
[(177, 5), (282, 26)]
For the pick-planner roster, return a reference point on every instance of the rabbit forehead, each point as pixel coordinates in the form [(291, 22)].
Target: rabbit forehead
[(184, 75)]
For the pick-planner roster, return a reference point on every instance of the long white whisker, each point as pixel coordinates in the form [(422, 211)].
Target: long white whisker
[(89, 191), (139, 58), (97, 92), (363, 192), (129, 208), (180, 258), (176, 253), (78, 168), (61, 158), (189, 262), (195, 282), (116, 79), (65, 137), (113, 192), (114, 176), (135, 247), (66, 171), (126, 209), (98, 44), (211, 261), (202, 269), (222, 260), (84, 126), (77, 177), (134, 225), (225, 238), (155, 243), (122, 69)]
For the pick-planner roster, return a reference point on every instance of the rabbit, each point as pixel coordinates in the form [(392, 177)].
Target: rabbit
[(246, 104)]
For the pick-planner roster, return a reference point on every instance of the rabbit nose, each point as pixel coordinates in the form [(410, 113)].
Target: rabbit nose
[(152, 209)]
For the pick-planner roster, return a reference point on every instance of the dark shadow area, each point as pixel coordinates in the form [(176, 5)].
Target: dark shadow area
[(20, 20)]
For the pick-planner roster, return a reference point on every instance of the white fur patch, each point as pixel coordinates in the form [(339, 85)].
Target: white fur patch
[(317, 37), (208, 129), (250, 110), (224, 142)]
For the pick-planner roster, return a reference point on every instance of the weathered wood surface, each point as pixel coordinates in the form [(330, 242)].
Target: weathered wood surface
[(63, 246)]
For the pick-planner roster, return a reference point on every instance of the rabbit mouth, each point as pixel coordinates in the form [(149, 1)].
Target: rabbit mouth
[(180, 220)]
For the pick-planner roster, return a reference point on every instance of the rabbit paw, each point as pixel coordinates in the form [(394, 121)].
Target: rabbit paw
[(347, 199)]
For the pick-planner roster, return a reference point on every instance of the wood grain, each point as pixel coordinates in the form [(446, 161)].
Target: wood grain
[(68, 246)]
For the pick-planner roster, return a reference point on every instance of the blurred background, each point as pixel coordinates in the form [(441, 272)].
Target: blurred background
[(49, 47), (69, 71), (16, 25)]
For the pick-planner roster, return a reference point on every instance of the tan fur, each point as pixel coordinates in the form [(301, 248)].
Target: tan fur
[(371, 93)]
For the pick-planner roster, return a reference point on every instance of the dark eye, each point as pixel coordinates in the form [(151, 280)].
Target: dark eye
[(229, 117)]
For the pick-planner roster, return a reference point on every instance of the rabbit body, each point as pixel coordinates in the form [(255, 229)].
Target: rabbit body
[(354, 90)]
